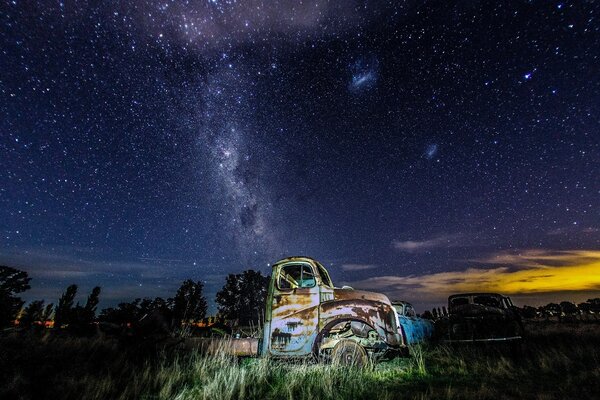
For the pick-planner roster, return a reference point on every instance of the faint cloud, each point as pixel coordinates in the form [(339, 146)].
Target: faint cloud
[(53, 268), (590, 230), (573, 229), (416, 246), (61, 274), (358, 267), (526, 272)]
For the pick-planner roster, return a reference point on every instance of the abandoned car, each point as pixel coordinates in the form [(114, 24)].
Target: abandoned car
[(481, 317), (414, 328), (306, 316)]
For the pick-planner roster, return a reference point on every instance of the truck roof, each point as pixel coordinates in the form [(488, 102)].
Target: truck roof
[(295, 258)]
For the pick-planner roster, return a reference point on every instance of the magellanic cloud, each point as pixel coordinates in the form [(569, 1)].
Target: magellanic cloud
[(531, 271)]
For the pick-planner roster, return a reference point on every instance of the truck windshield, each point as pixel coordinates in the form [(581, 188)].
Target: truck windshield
[(324, 275)]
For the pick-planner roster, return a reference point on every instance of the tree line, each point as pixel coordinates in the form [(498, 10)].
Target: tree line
[(240, 301)]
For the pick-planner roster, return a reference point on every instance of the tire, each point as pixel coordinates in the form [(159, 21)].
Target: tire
[(348, 353)]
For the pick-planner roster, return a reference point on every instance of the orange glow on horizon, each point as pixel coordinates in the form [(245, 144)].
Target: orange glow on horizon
[(531, 271)]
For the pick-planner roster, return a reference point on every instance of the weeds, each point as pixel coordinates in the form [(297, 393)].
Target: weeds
[(551, 366)]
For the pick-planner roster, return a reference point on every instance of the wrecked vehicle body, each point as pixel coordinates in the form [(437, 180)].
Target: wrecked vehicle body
[(306, 316), (482, 317), (414, 328)]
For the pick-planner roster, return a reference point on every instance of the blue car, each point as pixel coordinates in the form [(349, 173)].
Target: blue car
[(414, 329)]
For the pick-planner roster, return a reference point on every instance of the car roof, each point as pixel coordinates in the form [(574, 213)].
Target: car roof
[(475, 294)]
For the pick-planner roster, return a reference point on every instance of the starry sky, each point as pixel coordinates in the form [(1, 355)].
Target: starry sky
[(416, 148)]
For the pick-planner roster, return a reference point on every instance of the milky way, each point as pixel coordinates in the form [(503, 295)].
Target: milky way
[(235, 159)]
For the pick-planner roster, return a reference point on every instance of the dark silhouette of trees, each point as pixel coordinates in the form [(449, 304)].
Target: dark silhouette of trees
[(427, 315), (594, 304), (78, 318), (12, 282), (47, 314), (131, 313), (189, 304), (529, 312), (568, 308), (36, 314), (64, 310), (88, 312), (590, 306), (242, 298)]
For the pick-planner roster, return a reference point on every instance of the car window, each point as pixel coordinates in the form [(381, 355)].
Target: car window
[(459, 301), (489, 301), (399, 308), (294, 276)]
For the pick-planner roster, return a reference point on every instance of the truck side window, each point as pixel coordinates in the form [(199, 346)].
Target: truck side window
[(294, 276), (324, 276)]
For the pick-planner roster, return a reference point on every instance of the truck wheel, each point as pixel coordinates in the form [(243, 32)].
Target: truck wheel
[(348, 353)]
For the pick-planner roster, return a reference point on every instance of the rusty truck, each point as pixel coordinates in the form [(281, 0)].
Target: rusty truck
[(307, 316), (481, 317)]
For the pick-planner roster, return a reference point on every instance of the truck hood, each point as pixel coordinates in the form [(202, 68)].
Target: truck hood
[(351, 294)]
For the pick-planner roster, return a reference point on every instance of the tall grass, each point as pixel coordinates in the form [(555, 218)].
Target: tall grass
[(545, 367)]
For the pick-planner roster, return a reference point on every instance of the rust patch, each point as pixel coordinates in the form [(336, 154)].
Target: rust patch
[(293, 325), (280, 339)]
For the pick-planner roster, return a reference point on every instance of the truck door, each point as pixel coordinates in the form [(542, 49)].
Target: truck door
[(295, 310)]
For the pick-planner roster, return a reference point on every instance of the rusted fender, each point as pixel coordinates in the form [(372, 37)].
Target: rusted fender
[(375, 313)]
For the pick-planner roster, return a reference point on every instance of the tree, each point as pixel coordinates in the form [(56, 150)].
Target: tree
[(189, 304), (123, 314), (89, 311), (594, 304), (427, 315), (64, 310), (568, 308), (12, 281), (131, 313), (529, 312), (47, 314), (142, 317), (35, 312), (243, 297), (32, 313)]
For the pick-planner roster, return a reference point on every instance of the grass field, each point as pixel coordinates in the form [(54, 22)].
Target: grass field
[(557, 361)]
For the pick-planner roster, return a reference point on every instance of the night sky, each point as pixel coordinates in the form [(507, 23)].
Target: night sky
[(417, 148)]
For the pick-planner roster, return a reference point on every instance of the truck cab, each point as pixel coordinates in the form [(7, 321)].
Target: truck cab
[(306, 315)]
